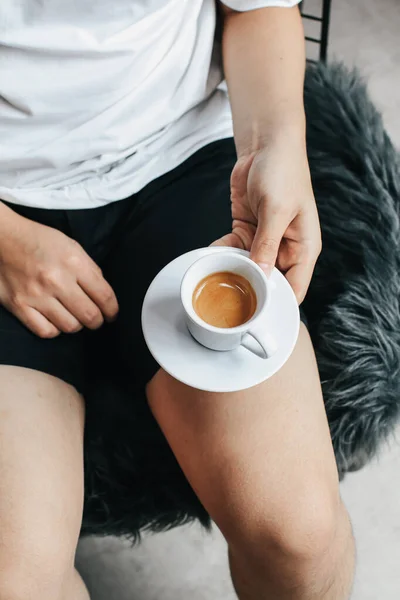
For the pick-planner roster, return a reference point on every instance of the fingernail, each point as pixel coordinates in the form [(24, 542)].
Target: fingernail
[(266, 267)]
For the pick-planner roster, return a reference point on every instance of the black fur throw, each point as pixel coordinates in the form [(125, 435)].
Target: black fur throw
[(353, 306)]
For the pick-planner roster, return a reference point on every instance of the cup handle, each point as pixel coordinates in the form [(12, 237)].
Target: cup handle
[(265, 346)]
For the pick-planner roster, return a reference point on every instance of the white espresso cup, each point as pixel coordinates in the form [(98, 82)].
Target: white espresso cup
[(252, 334)]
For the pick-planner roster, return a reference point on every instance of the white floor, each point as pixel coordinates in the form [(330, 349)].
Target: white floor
[(186, 564)]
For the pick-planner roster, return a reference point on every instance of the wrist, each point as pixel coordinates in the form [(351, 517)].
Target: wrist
[(271, 131), (11, 226), (7, 218)]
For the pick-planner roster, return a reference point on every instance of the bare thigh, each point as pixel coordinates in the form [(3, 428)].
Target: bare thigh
[(259, 457), (41, 482)]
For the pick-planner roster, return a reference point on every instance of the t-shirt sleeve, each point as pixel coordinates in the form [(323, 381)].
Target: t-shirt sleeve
[(243, 5)]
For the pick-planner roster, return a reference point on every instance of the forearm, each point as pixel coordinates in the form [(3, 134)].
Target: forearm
[(7, 217), (264, 63)]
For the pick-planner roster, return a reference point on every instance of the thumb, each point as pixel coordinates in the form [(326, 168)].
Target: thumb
[(267, 240), (231, 240)]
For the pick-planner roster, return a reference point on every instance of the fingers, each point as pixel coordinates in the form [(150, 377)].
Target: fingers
[(270, 230), (298, 259), (90, 279), (100, 292), (82, 302), (300, 272), (241, 237), (85, 311), (298, 253), (231, 240), (299, 277), (36, 322), (69, 314), (60, 317)]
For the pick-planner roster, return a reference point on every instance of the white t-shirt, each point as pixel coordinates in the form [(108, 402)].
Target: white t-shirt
[(99, 97)]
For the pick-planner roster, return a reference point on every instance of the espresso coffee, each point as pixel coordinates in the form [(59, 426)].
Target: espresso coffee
[(224, 299)]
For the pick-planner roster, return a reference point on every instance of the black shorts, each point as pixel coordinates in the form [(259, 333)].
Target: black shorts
[(131, 240)]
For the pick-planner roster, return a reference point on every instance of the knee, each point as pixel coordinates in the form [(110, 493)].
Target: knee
[(36, 573), (298, 534), (306, 531)]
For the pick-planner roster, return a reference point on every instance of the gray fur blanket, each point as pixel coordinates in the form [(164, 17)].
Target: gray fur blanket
[(353, 303), (132, 478)]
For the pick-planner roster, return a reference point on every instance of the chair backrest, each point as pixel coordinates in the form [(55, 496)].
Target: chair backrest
[(316, 15)]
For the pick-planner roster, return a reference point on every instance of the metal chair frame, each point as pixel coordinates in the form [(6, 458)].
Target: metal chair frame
[(324, 19)]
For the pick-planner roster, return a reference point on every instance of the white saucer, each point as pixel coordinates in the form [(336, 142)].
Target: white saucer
[(181, 356)]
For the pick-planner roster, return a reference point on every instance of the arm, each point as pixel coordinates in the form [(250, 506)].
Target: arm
[(274, 212), (264, 62)]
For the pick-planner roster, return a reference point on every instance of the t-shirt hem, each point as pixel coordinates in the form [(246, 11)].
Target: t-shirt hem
[(62, 199), (244, 6)]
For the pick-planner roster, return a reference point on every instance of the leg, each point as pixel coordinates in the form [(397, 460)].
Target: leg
[(261, 462), (288, 533), (41, 435), (41, 486)]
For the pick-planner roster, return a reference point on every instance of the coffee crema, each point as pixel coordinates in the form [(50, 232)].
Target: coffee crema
[(224, 299)]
